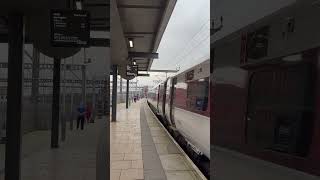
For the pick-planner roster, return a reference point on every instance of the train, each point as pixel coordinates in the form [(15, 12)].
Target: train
[(265, 88), (183, 103)]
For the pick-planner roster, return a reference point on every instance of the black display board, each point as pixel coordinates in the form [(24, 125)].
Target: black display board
[(70, 28), (132, 70)]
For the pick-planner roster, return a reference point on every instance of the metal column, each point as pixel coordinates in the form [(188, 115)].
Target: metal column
[(121, 98), (106, 97), (63, 113), (71, 109), (127, 95), (84, 84), (71, 103), (14, 97), (94, 96), (55, 104), (35, 85), (114, 92)]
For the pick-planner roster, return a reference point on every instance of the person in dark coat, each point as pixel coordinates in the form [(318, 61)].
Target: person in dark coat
[(81, 115)]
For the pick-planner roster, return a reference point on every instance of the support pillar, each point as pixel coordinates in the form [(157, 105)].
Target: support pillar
[(71, 103), (83, 68), (55, 104), (14, 97), (114, 92), (127, 95), (121, 97), (35, 85), (71, 109), (94, 99), (63, 113), (106, 98)]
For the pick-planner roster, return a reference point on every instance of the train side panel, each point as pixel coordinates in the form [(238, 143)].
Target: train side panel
[(266, 101), (162, 99), (168, 101), (153, 97), (191, 106)]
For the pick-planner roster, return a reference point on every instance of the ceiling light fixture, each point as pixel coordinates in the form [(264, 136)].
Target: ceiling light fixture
[(130, 42)]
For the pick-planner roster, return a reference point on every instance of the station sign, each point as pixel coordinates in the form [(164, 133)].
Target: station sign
[(132, 70), (70, 28)]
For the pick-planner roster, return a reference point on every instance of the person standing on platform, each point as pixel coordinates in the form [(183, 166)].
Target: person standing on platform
[(81, 115), (88, 113)]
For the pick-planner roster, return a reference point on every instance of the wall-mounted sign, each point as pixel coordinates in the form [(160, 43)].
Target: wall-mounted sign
[(70, 28), (132, 70)]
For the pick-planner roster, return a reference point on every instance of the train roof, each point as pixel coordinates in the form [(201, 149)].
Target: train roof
[(187, 70)]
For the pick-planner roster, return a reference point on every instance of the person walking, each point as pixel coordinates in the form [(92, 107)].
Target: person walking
[(81, 115)]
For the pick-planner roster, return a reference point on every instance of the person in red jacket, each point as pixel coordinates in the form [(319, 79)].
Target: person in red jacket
[(88, 113)]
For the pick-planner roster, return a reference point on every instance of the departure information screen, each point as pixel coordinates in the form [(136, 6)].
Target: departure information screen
[(132, 70), (70, 28)]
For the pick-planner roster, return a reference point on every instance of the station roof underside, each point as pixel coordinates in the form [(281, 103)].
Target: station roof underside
[(144, 21)]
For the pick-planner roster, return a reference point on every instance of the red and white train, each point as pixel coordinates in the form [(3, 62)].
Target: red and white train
[(183, 103), (265, 86)]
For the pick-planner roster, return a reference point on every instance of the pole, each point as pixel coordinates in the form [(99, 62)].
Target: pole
[(35, 84), (63, 119), (127, 95), (14, 97), (83, 83), (136, 87), (114, 92), (94, 98), (84, 76), (71, 109), (71, 103), (55, 104), (121, 98), (106, 97)]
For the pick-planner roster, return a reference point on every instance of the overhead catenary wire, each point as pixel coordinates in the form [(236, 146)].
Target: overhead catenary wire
[(199, 43), (181, 55), (193, 36)]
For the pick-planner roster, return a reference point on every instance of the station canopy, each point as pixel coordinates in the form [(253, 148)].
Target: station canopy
[(144, 22)]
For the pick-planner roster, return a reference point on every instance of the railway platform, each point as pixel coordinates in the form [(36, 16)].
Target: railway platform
[(142, 149), (80, 156)]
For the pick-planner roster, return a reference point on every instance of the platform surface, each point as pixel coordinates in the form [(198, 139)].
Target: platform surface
[(78, 157), (141, 149)]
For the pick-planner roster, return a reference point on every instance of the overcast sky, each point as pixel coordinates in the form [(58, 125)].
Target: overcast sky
[(186, 41)]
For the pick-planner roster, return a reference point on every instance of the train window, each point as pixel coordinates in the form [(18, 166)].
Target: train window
[(197, 94)]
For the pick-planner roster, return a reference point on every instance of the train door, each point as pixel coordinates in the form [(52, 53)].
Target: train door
[(169, 100), (158, 97), (164, 95), (173, 96), (279, 114)]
